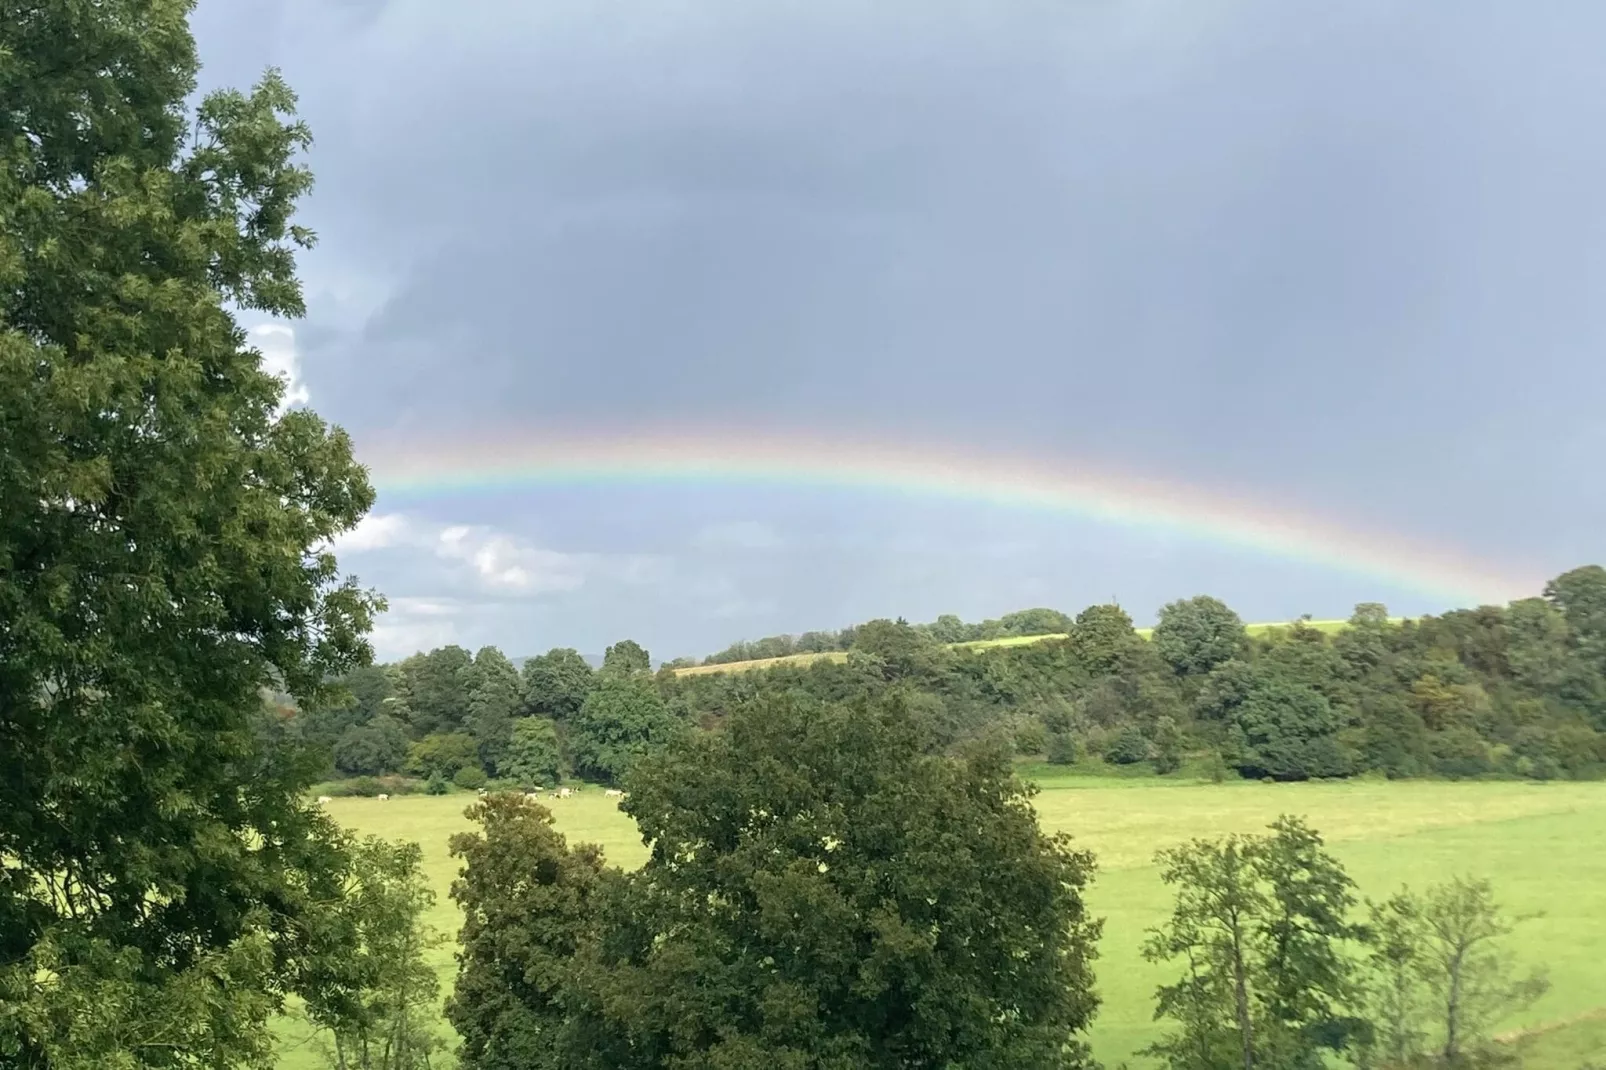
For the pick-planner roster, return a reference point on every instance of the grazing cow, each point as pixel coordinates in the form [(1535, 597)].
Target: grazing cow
[(563, 793), (532, 794), (383, 797), (484, 792), (324, 799), (614, 793)]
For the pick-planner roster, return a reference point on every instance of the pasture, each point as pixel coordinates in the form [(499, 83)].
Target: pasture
[(799, 660), (1538, 842)]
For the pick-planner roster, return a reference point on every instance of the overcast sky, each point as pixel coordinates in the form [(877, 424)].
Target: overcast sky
[(1348, 258)]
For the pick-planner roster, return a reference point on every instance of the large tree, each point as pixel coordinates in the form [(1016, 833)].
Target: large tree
[(162, 561), (621, 719), (556, 683), (874, 904), (495, 694), (1197, 634)]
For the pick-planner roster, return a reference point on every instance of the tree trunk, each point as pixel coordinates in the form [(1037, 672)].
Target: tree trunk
[(1240, 995), (1452, 1009)]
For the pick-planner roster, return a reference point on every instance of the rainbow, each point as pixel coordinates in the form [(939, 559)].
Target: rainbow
[(409, 470)]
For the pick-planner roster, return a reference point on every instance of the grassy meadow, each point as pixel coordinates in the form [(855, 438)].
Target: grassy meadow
[(1540, 843), (1328, 626)]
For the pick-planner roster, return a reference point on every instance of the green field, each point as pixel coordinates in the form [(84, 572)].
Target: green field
[(1540, 844), (1328, 626)]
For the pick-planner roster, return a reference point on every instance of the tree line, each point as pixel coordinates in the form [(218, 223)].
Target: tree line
[(1516, 690), (947, 628)]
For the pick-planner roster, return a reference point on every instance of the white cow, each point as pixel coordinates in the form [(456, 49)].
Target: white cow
[(563, 793), (532, 795), (325, 799), (383, 797), (614, 793)]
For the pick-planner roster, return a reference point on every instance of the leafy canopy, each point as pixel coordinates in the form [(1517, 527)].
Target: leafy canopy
[(163, 561)]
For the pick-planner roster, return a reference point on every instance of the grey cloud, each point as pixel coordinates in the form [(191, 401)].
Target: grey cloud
[(1343, 257)]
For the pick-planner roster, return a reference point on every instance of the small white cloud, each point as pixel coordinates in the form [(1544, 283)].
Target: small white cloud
[(375, 531), (509, 563), (277, 344)]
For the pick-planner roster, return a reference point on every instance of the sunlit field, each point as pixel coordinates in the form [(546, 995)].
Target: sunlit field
[(1539, 843)]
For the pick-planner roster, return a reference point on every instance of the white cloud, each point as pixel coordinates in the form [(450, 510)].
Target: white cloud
[(500, 561), (505, 562), (375, 532), (277, 344)]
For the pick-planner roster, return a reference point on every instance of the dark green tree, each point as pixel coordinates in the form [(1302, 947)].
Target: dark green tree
[(1102, 638), (556, 683), (627, 658), (495, 694), (534, 756), (897, 649), (380, 746), (163, 528), (436, 689), (621, 719), (1036, 622), (442, 755), (527, 906), (876, 905), (1197, 634), (1287, 731)]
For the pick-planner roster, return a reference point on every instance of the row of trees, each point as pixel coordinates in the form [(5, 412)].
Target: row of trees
[(451, 716), (1515, 690), (829, 887), (945, 629), (1518, 690)]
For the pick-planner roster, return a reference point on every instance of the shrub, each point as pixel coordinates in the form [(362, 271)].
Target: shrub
[(1031, 738), (436, 785), (470, 777), (1128, 748), (1061, 748)]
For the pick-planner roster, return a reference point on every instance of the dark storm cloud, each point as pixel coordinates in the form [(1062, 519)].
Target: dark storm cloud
[(1347, 256)]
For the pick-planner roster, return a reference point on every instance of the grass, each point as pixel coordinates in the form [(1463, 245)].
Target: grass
[(1538, 842), (1328, 626)]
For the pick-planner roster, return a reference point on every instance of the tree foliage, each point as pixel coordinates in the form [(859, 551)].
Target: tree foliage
[(822, 890), (375, 1001), (527, 907), (555, 684), (162, 561), (534, 756), (622, 719), (1197, 634), (1261, 927)]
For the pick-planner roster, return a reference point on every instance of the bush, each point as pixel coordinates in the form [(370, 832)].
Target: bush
[(436, 785), (370, 786), (1031, 738), (1061, 749), (1128, 748), (470, 777)]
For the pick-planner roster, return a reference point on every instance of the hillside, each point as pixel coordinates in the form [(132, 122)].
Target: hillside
[(1328, 626)]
